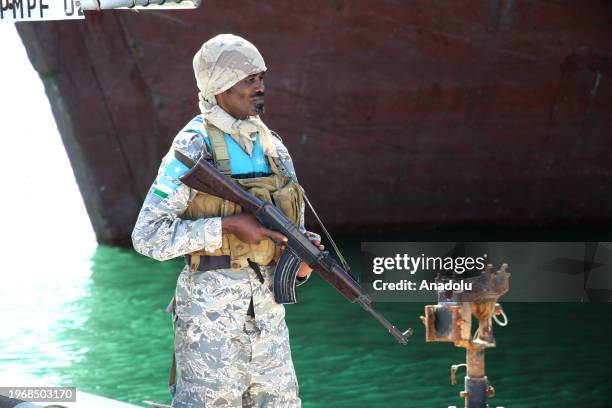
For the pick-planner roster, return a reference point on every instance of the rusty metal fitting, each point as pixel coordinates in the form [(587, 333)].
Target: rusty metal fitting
[(453, 372)]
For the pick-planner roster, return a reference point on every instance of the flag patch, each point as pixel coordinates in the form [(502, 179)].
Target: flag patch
[(164, 187), (168, 181), (175, 169)]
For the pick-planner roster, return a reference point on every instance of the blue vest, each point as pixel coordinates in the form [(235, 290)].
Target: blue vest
[(240, 161)]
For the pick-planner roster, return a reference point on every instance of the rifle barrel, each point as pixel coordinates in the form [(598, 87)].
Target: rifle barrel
[(399, 336)]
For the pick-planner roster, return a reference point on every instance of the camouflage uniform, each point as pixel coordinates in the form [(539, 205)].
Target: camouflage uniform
[(224, 357)]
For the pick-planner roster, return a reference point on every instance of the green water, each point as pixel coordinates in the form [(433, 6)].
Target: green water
[(105, 331)]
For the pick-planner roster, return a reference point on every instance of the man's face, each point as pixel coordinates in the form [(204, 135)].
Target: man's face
[(244, 99)]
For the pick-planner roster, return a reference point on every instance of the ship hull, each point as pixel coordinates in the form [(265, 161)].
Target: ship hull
[(399, 115)]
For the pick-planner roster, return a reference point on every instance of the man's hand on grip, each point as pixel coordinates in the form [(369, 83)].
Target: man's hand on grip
[(247, 229)]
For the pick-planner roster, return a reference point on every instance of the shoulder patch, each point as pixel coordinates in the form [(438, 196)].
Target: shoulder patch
[(175, 169), (168, 181)]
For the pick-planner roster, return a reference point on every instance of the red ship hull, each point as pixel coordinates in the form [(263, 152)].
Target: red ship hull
[(398, 114)]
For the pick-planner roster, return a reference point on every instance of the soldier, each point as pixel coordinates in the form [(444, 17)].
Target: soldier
[(231, 340)]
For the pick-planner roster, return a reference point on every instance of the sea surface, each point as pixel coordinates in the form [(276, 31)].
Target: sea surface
[(100, 325)]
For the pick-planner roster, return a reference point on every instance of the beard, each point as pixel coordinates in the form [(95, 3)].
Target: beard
[(259, 108)]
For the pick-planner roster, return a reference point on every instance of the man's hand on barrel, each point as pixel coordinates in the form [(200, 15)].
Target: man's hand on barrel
[(306, 270)]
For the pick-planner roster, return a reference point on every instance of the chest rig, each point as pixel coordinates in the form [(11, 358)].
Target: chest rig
[(276, 188)]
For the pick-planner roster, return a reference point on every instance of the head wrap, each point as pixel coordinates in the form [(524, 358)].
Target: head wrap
[(223, 61)]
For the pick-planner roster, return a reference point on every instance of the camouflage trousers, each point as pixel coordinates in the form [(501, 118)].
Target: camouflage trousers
[(224, 357)]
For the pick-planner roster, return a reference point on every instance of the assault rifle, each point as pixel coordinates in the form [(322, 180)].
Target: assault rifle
[(206, 178)]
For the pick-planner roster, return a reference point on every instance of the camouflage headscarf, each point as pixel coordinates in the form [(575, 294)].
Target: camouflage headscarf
[(223, 61)]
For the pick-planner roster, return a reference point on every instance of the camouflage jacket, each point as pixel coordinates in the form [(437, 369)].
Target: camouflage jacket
[(160, 232)]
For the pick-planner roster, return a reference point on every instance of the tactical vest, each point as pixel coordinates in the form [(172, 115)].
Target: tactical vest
[(276, 188)]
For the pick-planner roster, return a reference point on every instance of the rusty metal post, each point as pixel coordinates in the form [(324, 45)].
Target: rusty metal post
[(476, 383), (450, 320)]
